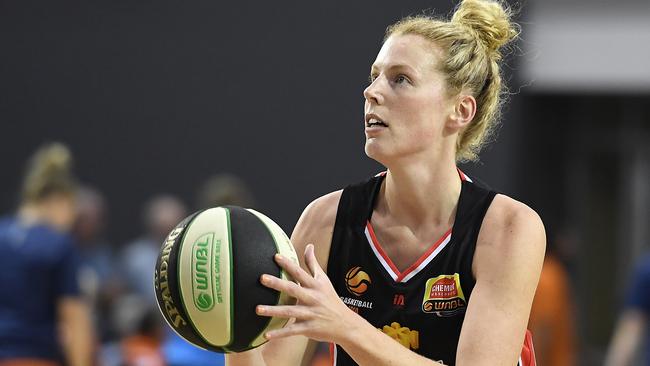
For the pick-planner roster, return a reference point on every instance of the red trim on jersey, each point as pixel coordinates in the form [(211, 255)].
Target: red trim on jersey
[(528, 351), (424, 256), (412, 267), (332, 360), (463, 176), (377, 246)]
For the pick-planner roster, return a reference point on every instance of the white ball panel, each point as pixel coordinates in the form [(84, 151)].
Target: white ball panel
[(205, 275)]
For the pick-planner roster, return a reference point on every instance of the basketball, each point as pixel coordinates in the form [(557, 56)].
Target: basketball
[(207, 277)]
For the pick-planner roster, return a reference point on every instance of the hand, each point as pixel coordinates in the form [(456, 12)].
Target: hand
[(320, 314)]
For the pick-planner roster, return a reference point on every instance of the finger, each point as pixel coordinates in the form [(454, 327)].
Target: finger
[(294, 270), (289, 287), (311, 261), (284, 311), (287, 331)]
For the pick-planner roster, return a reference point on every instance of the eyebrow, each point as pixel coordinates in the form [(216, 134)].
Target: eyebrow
[(374, 67)]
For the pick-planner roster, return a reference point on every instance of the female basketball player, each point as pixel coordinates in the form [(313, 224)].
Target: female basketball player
[(419, 265), (43, 319)]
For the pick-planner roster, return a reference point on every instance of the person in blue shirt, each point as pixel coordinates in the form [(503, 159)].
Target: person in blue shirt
[(44, 320), (632, 332)]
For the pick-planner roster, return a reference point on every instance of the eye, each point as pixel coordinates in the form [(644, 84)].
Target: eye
[(372, 78), (401, 79)]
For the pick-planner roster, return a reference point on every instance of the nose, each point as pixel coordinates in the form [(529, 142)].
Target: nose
[(372, 93)]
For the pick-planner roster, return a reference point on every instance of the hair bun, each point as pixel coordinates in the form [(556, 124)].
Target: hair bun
[(489, 20), (53, 159)]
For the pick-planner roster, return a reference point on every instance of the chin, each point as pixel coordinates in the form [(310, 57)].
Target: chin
[(376, 153)]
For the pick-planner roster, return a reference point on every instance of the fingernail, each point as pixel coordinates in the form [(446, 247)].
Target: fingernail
[(261, 309), (264, 278), (279, 257)]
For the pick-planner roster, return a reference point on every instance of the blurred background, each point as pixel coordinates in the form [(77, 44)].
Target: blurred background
[(169, 107)]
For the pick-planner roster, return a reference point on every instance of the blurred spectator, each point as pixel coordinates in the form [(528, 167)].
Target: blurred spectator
[(161, 214), (552, 314), (631, 333), (322, 356), (100, 280), (43, 318), (178, 352), (143, 335), (552, 318), (222, 190), (143, 347)]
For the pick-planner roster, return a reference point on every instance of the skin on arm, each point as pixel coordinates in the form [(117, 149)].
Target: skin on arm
[(76, 330), (315, 225), (507, 265)]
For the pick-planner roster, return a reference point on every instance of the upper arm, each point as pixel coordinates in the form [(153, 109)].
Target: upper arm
[(507, 264), (315, 226)]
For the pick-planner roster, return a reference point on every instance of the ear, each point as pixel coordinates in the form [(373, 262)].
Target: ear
[(463, 113)]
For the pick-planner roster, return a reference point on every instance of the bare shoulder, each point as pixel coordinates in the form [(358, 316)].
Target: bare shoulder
[(511, 231), (507, 264), (316, 225)]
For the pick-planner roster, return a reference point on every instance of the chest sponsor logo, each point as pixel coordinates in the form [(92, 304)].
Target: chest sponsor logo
[(357, 281), (405, 336), (443, 296)]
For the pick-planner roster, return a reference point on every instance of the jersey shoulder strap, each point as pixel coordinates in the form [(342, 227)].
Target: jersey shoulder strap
[(354, 209)]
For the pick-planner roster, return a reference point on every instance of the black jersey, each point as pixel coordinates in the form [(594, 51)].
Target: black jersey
[(422, 307)]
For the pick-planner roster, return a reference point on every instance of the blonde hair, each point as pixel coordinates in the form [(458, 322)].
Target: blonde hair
[(49, 171), (471, 42)]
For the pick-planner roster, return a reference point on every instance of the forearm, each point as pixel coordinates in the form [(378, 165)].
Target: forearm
[(369, 346), (79, 342), (294, 350), (248, 358)]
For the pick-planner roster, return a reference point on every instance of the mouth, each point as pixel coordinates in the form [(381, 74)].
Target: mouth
[(374, 121)]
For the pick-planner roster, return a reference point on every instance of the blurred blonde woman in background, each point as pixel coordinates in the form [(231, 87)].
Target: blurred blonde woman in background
[(44, 321)]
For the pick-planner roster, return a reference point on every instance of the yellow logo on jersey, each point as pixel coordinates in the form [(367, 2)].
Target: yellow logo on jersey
[(444, 296), (406, 337)]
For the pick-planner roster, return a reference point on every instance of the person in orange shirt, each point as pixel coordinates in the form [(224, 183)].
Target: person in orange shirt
[(551, 317), (144, 347)]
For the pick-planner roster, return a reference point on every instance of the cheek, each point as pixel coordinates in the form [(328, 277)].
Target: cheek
[(424, 117)]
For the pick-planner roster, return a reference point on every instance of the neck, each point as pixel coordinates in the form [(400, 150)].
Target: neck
[(421, 193)]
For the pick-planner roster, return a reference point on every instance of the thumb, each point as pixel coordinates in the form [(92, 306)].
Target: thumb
[(311, 261)]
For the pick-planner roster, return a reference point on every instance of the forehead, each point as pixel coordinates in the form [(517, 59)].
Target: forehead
[(408, 50)]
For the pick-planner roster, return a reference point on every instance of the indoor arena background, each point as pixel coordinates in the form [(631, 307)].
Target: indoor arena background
[(155, 97)]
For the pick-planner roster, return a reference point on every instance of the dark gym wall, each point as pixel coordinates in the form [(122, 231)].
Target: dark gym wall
[(154, 96)]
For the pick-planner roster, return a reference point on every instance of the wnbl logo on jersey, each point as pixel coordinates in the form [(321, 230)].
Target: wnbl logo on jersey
[(443, 296)]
